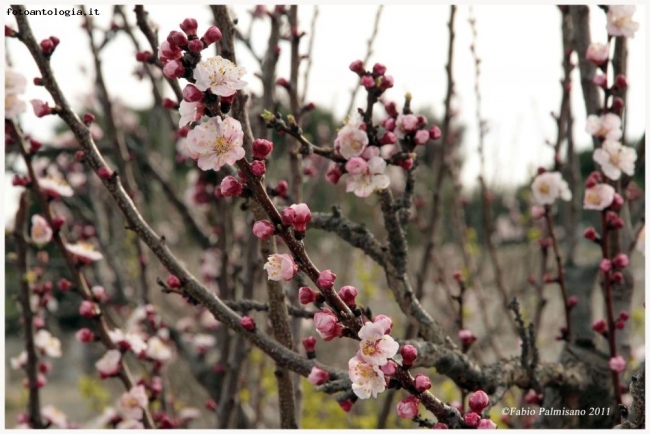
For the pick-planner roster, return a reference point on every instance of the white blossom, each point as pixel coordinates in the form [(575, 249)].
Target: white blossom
[(219, 75), (615, 158)]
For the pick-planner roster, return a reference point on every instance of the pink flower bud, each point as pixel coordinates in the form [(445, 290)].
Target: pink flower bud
[(189, 26), (537, 212), (533, 397), (211, 405), (349, 294), (262, 149), (100, 294), (599, 326), (44, 367), (231, 187), (64, 285), (597, 53), (486, 424), (282, 82), (309, 343), (47, 46), (389, 138), (389, 124), (10, 33), (88, 118), (573, 301), (621, 260), (213, 34), (600, 80), (38, 81), (421, 137), (617, 364), (346, 405), (406, 164), (192, 93), (282, 188), (356, 166), (174, 69), (307, 295), (409, 354), (195, 46), (624, 315), (301, 216), (619, 324), (620, 81), (605, 265), (388, 323), (386, 82), (389, 368), (591, 234), (85, 336), (177, 38), (357, 67), (367, 81), (472, 419), (41, 108), (466, 337), (143, 56), (173, 281), (408, 408), (104, 173), (440, 425), (617, 203), (478, 401), (317, 376), (333, 174), (422, 383), (169, 104), (378, 69), (327, 325), (248, 323), (263, 229), (258, 168), (169, 51), (88, 309), (34, 146), (326, 279), (617, 103)]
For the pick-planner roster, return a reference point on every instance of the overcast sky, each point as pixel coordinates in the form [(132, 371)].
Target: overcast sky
[(520, 48)]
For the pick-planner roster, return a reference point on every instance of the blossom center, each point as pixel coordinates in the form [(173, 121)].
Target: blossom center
[(615, 158), (592, 198), (544, 188), (221, 145)]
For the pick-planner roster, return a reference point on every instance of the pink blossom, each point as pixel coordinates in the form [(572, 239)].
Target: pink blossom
[(263, 229), (607, 126), (614, 159), (217, 143), (351, 140), (486, 424), (317, 376), (133, 402), (54, 416), (219, 75), (55, 187), (41, 108), (327, 325), (190, 112), (478, 401), (47, 344), (548, 187), (356, 166), (41, 232), (408, 408), (619, 21), (174, 69), (385, 321), (367, 379), (280, 266), (84, 252), (168, 51), (405, 124), (129, 341), (598, 53), (14, 85), (373, 179), (599, 197), (617, 364), (301, 216), (472, 419), (326, 279), (109, 364), (375, 346)]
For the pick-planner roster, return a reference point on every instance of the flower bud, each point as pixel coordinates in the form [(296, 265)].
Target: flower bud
[(195, 46), (617, 203), (389, 368), (213, 34), (357, 67), (619, 324), (258, 168), (599, 326), (174, 69), (248, 323), (47, 46), (572, 301), (621, 260), (386, 82), (367, 81), (143, 56), (406, 164), (409, 354), (389, 138), (408, 408), (189, 26), (88, 309), (421, 137), (591, 234), (263, 229), (169, 104), (282, 82), (177, 38), (346, 405), (104, 173), (85, 336), (624, 315), (173, 281), (64, 285), (478, 401), (605, 265), (349, 294), (435, 133), (386, 321), (600, 80), (466, 337), (211, 405), (440, 425), (317, 376), (422, 383), (378, 69), (282, 188), (192, 93), (41, 108), (231, 187), (310, 344), (597, 53), (262, 149), (472, 419), (307, 295), (617, 103), (333, 174), (620, 81), (326, 279), (486, 424)]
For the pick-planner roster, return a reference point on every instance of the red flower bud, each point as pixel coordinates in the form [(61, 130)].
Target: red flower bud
[(620, 81), (357, 67), (263, 229), (349, 294), (346, 405), (386, 82), (307, 295), (409, 354), (55, 40), (88, 309), (309, 343), (605, 265), (591, 234), (192, 93), (169, 104), (478, 401), (262, 149), (89, 118), (617, 277), (173, 281), (599, 326), (248, 323), (189, 26), (326, 279), (435, 133), (282, 82), (472, 419), (104, 173), (195, 46), (617, 103), (621, 260), (177, 38), (282, 188), (34, 146), (258, 168), (378, 69), (143, 56), (231, 187), (210, 404), (174, 69), (389, 138), (333, 174), (624, 315), (47, 46), (213, 34), (367, 81), (422, 383), (64, 285), (573, 301), (85, 336)]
